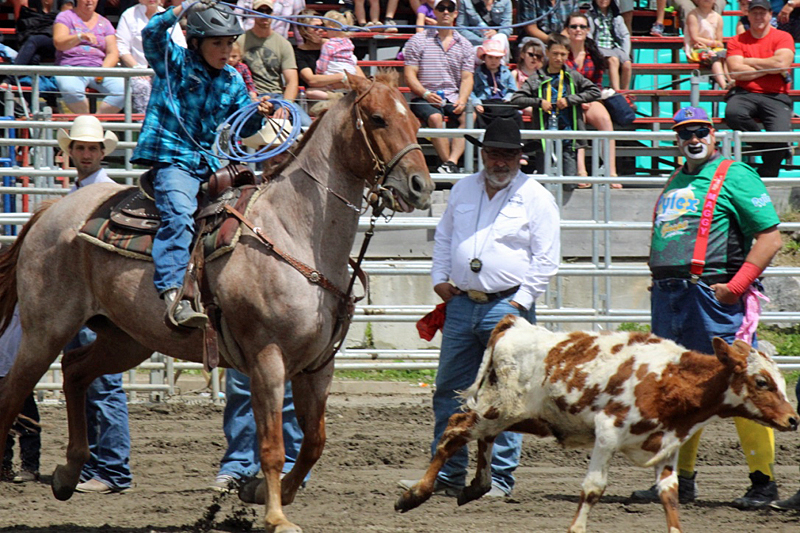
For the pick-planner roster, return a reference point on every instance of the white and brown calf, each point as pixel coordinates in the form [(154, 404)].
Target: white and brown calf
[(630, 392)]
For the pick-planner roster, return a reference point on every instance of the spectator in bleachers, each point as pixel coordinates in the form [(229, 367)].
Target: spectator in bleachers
[(684, 8), (702, 37), (131, 51), (494, 86), (336, 55), (608, 29), (486, 14), (235, 60), (425, 15), (306, 55), (556, 94), (760, 95), (530, 59), (784, 17), (280, 8), (271, 60), (34, 29), (83, 38), (585, 57), (550, 16), (441, 60), (375, 14)]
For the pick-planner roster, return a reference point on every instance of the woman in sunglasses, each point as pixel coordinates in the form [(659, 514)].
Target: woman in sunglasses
[(585, 57)]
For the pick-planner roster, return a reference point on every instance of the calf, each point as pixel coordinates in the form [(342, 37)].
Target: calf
[(631, 392)]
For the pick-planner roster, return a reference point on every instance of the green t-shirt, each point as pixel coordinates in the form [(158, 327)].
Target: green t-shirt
[(267, 59), (743, 209)]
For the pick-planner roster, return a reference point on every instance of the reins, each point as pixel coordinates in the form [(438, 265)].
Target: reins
[(374, 195)]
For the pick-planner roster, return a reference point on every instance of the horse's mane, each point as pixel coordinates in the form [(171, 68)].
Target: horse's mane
[(8, 269), (388, 77)]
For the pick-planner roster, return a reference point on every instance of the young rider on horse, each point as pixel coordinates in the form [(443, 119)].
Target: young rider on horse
[(194, 91)]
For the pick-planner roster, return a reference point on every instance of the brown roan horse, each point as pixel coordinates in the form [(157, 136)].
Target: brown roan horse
[(274, 320)]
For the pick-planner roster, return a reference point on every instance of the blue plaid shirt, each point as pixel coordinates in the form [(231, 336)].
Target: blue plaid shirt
[(202, 101)]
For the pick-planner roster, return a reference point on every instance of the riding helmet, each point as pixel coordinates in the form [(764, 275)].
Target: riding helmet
[(218, 21)]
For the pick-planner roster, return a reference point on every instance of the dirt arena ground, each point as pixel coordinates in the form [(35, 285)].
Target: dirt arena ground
[(373, 441)]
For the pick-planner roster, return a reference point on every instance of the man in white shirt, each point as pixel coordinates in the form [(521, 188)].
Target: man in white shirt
[(87, 144), (496, 248)]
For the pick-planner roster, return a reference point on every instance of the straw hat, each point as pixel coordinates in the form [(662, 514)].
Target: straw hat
[(267, 135), (87, 128)]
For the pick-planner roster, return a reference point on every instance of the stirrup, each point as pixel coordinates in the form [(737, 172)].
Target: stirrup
[(181, 314)]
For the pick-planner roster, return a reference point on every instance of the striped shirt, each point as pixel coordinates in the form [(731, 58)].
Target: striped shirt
[(440, 69), (202, 102)]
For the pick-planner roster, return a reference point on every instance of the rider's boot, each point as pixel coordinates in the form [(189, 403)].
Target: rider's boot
[(180, 313)]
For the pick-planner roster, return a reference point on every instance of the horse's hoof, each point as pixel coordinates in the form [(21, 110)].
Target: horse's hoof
[(63, 486), (410, 500), (253, 492), (471, 493)]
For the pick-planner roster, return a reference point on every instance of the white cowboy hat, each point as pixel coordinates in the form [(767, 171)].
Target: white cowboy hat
[(87, 128), (267, 134)]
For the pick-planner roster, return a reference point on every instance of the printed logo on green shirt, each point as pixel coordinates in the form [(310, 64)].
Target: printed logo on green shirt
[(761, 201), (671, 206)]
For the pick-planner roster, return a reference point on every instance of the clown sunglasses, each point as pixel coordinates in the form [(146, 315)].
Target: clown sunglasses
[(700, 133)]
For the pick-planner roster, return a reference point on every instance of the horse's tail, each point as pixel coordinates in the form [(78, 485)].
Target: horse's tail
[(8, 269)]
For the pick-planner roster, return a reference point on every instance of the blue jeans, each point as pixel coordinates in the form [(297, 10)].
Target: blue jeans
[(691, 315), (34, 47), (107, 425), (176, 199), (466, 332), (73, 89), (241, 459)]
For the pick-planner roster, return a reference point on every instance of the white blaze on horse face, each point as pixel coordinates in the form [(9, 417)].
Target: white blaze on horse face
[(400, 107)]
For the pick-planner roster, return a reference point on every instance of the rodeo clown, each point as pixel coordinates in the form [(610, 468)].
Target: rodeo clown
[(715, 231), (178, 131)]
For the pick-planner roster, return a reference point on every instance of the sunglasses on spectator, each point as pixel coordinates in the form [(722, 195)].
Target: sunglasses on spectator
[(540, 57), (265, 10), (449, 8), (578, 27), (700, 133)]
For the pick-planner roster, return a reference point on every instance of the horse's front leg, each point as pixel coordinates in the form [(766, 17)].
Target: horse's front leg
[(310, 397), (266, 390), (112, 351)]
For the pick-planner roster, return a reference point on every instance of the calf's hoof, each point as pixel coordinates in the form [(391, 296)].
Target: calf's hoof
[(254, 491), (63, 483), (284, 527), (410, 500), (472, 492)]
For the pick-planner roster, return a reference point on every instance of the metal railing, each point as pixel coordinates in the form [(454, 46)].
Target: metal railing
[(600, 264)]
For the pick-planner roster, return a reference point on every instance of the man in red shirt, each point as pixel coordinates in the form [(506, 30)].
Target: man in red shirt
[(759, 60)]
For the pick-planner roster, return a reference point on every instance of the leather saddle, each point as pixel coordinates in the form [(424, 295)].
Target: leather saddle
[(137, 210)]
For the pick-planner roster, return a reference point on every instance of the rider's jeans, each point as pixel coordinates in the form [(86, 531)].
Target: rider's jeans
[(176, 199), (241, 459)]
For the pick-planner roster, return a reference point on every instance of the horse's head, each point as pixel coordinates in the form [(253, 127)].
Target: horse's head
[(400, 175)]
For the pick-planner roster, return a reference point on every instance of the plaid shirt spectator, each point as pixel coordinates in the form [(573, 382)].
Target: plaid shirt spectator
[(548, 18), (244, 70), (201, 102), (440, 69), (589, 70), (337, 55)]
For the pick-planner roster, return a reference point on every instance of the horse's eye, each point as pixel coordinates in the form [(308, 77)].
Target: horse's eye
[(378, 121)]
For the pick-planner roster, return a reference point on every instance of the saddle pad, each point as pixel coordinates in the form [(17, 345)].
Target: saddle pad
[(101, 231)]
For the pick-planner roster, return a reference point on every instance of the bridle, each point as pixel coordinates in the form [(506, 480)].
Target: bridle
[(382, 170)]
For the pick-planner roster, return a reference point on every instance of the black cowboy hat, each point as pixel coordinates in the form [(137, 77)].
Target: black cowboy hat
[(501, 133)]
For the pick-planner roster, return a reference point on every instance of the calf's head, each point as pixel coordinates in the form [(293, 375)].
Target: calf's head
[(757, 389)]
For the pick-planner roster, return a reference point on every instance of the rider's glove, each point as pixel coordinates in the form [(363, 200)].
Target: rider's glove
[(192, 6)]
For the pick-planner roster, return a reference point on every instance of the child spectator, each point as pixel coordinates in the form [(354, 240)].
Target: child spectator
[(609, 31), (336, 56), (531, 58), (425, 15), (494, 86), (26, 426), (235, 60), (556, 94), (702, 38)]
